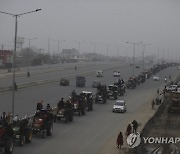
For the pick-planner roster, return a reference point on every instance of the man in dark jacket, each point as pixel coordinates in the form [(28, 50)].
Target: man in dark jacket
[(135, 126), (60, 104)]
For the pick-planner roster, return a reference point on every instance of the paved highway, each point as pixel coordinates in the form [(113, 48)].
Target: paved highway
[(87, 134), (26, 99), (53, 72)]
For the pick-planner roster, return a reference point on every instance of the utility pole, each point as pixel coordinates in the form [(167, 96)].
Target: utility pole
[(144, 46), (49, 52), (134, 44), (158, 56), (14, 54)]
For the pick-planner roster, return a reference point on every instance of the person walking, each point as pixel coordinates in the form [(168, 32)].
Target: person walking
[(135, 126), (129, 129), (119, 140)]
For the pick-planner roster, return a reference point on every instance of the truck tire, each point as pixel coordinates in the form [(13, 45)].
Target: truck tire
[(71, 118), (44, 133), (66, 119), (50, 130), (21, 140), (28, 137), (9, 146)]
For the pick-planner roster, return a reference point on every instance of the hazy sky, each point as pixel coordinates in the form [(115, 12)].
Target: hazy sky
[(105, 21)]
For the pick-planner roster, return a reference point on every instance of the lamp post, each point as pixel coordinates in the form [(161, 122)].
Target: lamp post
[(107, 50), (29, 39), (79, 45), (58, 46), (144, 46), (134, 44), (95, 45), (14, 54), (59, 43)]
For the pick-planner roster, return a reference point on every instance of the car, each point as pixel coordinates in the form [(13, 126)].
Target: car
[(119, 106), (64, 82), (116, 74), (99, 73), (137, 66), (171, 88), (95, 84), (156, 78)]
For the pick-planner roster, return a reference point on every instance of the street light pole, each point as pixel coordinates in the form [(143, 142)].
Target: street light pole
[(14, 54), (59, 44), (134, 44), (79, 43), (58, 47), (95, 45), (29, 40), (144, 46)]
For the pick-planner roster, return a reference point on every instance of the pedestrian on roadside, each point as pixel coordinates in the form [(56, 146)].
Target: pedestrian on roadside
[(152, 104), (119, 140), (135, 126), (129, 129)]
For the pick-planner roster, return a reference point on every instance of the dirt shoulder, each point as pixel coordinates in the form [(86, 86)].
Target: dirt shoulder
[(146, 118), (141, 117)]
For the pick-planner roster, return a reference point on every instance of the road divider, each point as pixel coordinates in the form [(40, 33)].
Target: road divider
[(48, 81)]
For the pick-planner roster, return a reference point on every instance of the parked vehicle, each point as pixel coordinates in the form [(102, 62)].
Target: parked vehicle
[(64, 82), (99, 73), (43, 123), (119, 106), (80, 81), (171, 88)]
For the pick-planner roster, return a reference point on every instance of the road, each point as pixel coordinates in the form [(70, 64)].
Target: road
[(87, 134), (53, 72)]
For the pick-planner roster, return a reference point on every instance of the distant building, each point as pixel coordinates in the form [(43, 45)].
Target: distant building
[(6, 58)]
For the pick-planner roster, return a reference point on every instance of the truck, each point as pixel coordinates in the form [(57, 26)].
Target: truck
[(80, 81)]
